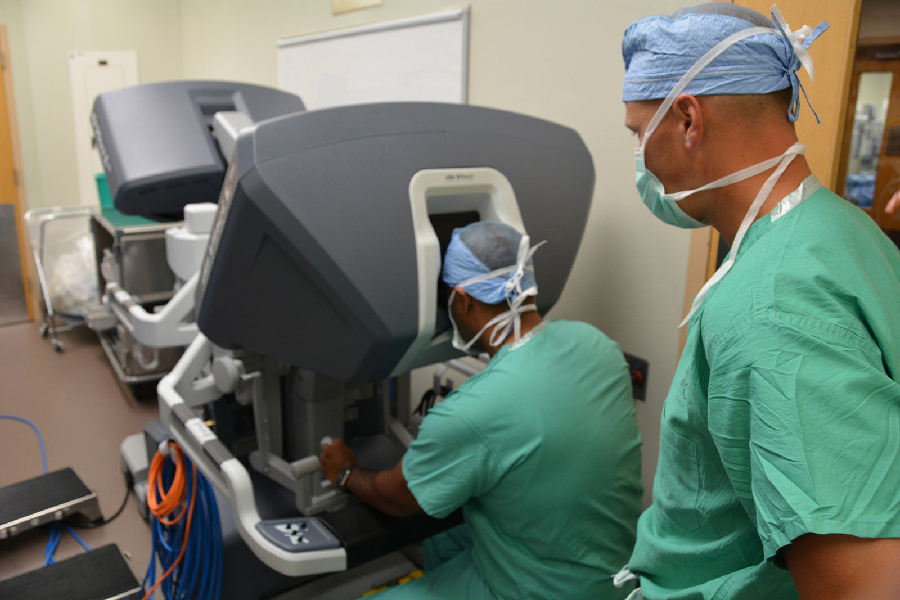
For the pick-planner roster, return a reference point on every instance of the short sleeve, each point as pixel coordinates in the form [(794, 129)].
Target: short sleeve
[(807, 424), (449, 462)]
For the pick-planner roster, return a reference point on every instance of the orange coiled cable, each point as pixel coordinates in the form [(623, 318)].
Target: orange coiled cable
[(172, 501)]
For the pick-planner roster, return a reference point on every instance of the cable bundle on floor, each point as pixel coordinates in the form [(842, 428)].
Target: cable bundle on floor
[(55, 538), (187, 537)]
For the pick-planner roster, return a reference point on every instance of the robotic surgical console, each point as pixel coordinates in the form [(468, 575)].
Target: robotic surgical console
[(318, 294)]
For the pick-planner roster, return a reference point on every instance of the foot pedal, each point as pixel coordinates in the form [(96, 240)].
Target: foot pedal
[(298, 534), (101, 574), (41, 500)]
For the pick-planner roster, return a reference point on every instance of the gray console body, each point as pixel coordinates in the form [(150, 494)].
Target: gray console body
[(313, 258)]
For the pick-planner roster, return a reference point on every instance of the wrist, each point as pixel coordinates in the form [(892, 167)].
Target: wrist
[(343, 476)]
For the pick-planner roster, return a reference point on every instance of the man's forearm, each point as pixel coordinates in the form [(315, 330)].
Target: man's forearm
[(844, 567), (384, 490)]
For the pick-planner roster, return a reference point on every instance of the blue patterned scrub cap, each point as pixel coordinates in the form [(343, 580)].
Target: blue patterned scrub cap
[(481, 248), (658, 50)]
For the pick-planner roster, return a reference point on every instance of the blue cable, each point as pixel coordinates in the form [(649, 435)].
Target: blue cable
[(199, 575), (37, 431), (77, 538), (55, 534), (55, 537), (209, 551)]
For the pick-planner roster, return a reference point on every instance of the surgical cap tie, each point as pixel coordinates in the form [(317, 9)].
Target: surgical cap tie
[(799, 41), (510, 320), (624, 576)]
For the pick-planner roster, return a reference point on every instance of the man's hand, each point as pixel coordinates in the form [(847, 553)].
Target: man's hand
[(336, 457), (893, 204), (385, 490), (844, 567)]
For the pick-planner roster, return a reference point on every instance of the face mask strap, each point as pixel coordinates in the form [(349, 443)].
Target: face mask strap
[(502, 325), (729, 179), (764, 192)]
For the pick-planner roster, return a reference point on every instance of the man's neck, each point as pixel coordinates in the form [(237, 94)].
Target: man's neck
[(731, 203), (529, 321)]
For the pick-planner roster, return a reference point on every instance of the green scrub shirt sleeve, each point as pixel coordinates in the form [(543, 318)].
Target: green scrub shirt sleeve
[(449, 462), (807, 423)]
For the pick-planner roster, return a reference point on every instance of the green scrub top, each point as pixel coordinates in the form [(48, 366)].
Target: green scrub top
[(784, 414), (542, 452)]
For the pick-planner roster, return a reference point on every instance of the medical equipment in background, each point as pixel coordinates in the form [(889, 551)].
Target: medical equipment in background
[(319, 293), (865, 150), (164, 148), (45, 228), (442, 386)]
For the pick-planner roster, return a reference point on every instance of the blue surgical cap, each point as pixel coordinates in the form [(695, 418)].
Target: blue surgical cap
[(480, 248), (659, 50)]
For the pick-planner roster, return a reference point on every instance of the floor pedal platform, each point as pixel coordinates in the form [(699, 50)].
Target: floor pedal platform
[(298, 534), (41, 500), (101, 574)]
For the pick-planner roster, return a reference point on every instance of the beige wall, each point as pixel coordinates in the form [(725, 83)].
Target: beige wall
[(42, 32)]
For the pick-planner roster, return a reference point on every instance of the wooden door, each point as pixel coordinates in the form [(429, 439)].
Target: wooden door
[(12, 193)]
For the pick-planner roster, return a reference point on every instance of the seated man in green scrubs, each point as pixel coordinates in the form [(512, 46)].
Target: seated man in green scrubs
[(779, 464), (541, 449)]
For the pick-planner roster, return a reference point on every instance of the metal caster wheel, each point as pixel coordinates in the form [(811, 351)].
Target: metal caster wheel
[(44, 330), (58, 346)]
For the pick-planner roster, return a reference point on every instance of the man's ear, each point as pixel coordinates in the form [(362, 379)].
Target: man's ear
[(465, 300), (689, 113)]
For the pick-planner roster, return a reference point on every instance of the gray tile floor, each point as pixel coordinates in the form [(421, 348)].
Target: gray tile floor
[(84, 413)]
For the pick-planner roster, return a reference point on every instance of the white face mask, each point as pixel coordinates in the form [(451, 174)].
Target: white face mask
[(665, 205), (510, 320)]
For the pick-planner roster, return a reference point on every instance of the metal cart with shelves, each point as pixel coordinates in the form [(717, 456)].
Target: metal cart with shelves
[(130, 251)]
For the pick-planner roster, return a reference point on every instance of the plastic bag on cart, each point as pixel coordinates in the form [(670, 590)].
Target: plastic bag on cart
[(70, 268)]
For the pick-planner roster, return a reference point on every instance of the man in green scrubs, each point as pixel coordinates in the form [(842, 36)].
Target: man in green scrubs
[(779, 465), (541, 449)]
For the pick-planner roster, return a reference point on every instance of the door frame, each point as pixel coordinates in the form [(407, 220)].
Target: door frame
[(20, 200), (867, 61)]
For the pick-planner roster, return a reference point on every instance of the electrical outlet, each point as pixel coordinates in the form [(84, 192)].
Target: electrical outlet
[(638, 369)]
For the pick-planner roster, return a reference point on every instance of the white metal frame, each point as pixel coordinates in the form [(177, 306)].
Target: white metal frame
[(438, 191), (37, 220)]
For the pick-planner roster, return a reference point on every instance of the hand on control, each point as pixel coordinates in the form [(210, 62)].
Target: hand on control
[(335, 457)]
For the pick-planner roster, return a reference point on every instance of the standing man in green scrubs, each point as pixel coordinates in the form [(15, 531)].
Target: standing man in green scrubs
[(541, 449), (779, 466)]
